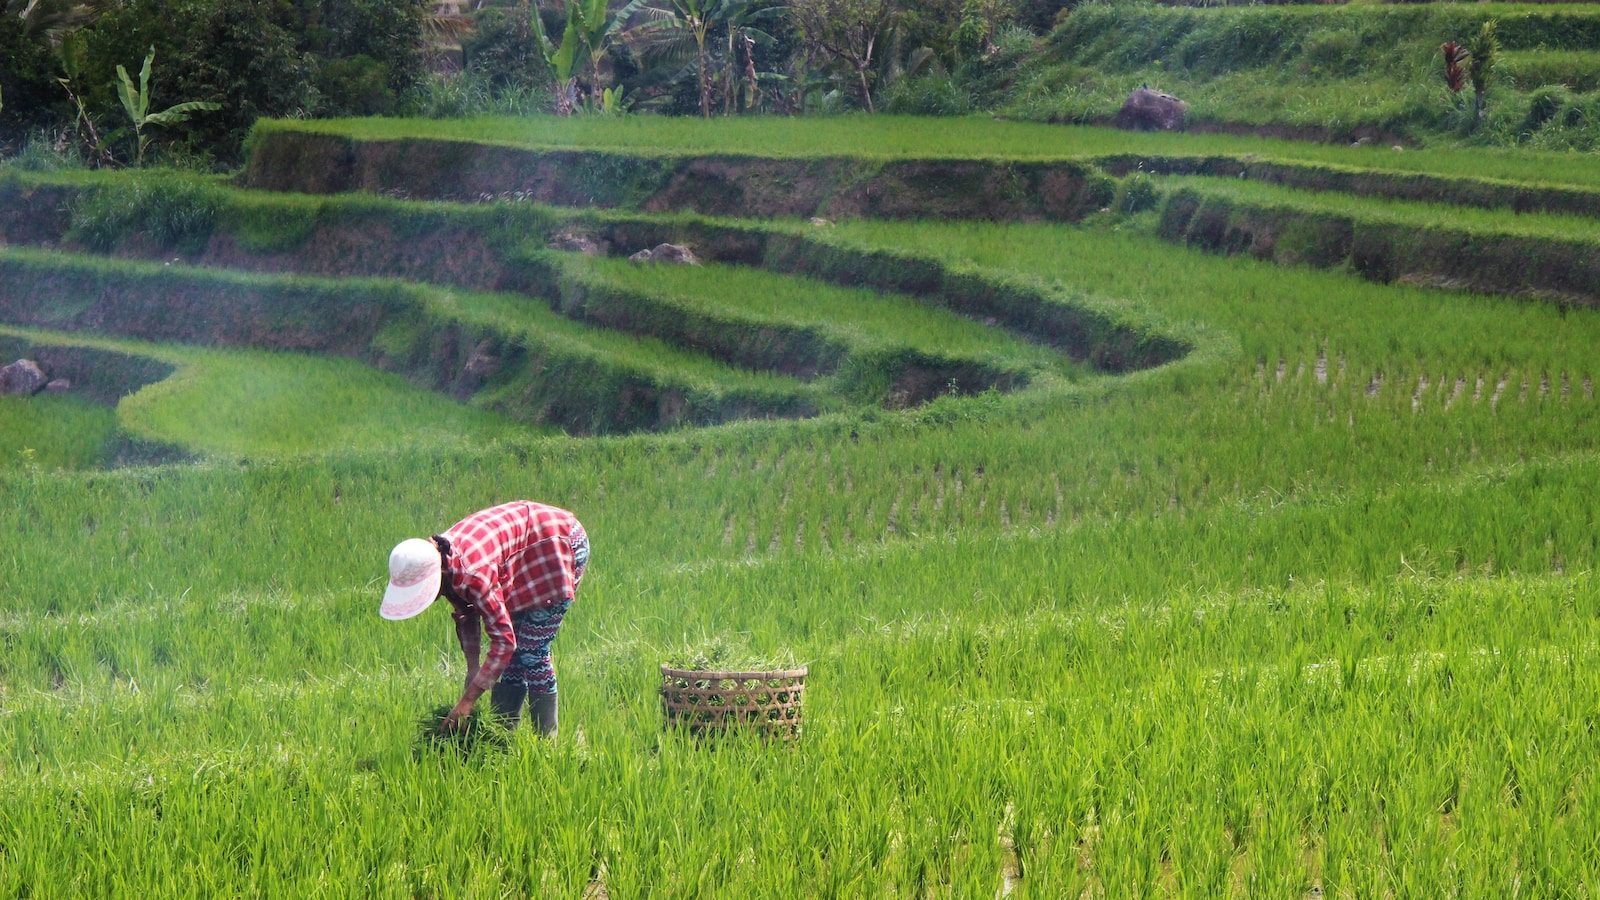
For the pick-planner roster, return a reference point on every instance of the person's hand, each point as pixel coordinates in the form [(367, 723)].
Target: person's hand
[(452, 722)]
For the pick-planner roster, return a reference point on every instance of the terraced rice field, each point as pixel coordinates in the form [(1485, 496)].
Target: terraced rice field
[(1123, 566)]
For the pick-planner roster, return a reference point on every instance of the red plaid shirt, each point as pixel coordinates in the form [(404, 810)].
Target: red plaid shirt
[(504, 560)]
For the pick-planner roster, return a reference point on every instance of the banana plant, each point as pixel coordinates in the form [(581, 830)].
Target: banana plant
[(743, 18), (558, 60), (585, 39), (136, 100), (611, 101)]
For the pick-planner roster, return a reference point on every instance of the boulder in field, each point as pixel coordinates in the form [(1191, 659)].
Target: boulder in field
[(23, 377), (675, 254), (58, 386), (578, 242), (1147, 110)]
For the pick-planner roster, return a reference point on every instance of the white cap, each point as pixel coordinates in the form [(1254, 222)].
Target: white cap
[(413, 579)]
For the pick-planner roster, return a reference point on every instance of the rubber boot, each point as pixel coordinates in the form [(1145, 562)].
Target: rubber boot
[(542, 710), (506, 700)]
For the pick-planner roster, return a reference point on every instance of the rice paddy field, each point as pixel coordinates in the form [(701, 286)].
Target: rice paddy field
[(971, 137), (1125, 563)]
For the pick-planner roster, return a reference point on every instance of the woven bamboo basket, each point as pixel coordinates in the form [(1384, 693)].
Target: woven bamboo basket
[(708, 703)]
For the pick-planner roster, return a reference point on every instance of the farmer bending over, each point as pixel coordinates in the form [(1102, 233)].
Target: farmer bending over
[(514, 567)]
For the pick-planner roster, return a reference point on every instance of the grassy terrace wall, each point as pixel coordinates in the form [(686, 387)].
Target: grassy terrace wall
[(392, 325), (739, 167), (1093, 336), (288, 159), (1417, 186), (500, 248), (1525, 265)]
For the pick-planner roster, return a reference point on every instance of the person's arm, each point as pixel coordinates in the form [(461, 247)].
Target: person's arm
[(502, 641), (468, 634)]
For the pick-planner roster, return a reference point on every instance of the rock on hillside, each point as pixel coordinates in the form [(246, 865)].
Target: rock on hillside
[(1147, 110), (667, 253), (578, 242), (23, 377)]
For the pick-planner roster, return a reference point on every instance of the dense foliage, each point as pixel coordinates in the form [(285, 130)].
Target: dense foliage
[(254, 58), (1321, 72), (274, 58), (27, 84)]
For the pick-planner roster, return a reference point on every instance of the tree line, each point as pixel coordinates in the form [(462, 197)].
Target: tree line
[(228, 62)]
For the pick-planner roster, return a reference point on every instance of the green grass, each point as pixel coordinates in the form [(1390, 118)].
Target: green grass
[(706, 316), (528, 316), (1576, 69), (1310, 609), (975, 137), (237, 403), (864, 322), (53, 432), (1271, 312), (873, 137), (295, 311), (1075, 92), (289, 403)]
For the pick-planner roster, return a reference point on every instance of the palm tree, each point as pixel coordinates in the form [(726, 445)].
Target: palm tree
[(673, 26), (54, 19), (444, 26), (59, 23)]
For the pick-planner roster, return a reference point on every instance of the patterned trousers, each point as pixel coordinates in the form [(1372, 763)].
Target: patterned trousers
[(536, 629)]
